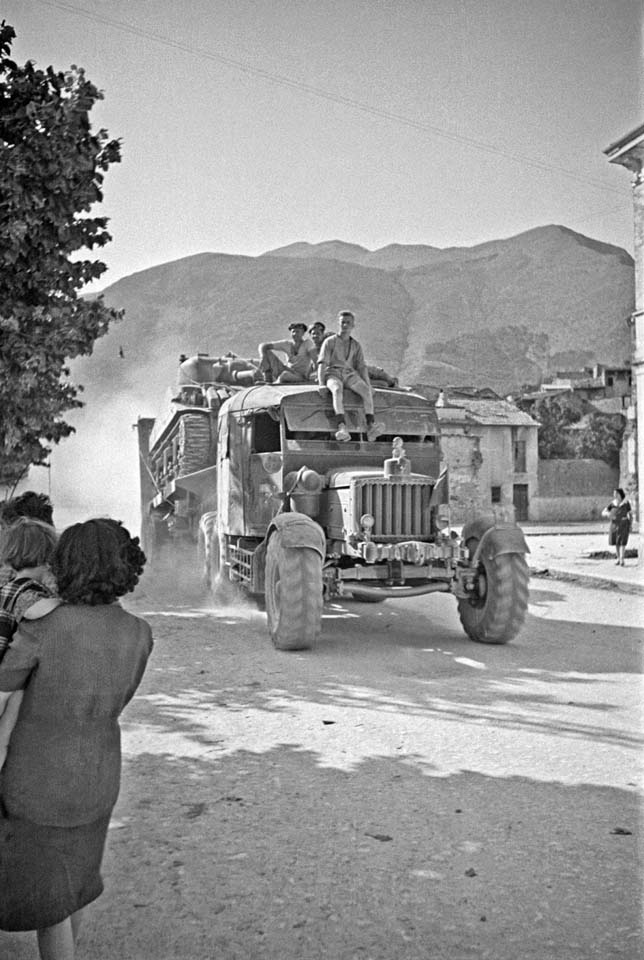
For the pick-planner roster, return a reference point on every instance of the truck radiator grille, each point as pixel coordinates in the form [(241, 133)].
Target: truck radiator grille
[(400, 509)]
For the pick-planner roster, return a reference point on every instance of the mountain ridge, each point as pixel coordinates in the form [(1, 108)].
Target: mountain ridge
[(499, 313)]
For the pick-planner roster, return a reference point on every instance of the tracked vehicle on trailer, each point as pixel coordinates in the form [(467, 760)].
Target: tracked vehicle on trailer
[(249, 473)]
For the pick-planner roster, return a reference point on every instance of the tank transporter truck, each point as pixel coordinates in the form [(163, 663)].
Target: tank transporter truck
[(248, 474)]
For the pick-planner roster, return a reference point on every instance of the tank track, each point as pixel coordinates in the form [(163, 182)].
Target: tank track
[(186, 448), (194, 452)]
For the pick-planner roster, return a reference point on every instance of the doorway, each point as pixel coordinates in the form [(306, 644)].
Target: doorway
[(520, 500)]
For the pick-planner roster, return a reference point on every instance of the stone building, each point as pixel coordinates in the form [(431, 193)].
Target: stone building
[(491, 449)]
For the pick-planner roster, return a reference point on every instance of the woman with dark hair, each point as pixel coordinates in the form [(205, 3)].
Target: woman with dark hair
[(621, 515), (38, 506), (74, 671)]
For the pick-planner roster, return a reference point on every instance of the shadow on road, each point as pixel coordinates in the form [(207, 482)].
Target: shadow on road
[(272, 856), (399, 793)]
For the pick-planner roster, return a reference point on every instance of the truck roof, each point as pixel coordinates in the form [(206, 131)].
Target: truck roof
[(263, 395)]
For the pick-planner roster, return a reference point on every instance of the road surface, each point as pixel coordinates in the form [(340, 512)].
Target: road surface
[(400, 793)]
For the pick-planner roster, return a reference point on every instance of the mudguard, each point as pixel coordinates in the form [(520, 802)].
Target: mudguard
[(298, 530), (494, 539)]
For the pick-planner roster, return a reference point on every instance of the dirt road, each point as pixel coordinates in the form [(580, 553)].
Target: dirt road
[(398, 794)]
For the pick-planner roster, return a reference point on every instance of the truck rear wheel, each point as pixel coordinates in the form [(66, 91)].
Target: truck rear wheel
[(496, 611), (293, 595)]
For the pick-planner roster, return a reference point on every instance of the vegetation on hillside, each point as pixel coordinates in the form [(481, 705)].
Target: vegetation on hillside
[(51, 172)]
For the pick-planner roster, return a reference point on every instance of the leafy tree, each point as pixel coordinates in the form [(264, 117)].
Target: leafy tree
[(602, 438), (599, 438), (51, 173), (554, 415)]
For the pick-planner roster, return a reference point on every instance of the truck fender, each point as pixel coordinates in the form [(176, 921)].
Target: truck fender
[(494, 539), (298, 530)]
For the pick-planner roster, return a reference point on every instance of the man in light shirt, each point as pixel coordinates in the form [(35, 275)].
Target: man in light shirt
[(318, 334), (341, 363)]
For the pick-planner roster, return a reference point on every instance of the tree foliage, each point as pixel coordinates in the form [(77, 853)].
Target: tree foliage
[(599, 437), (52, 167), (602, 438), (555, 414)]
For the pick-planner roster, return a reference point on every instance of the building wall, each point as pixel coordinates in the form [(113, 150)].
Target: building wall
[(500, 468), (482, 456), (567, 509), (462, 454), (570, 478), (573, 490)]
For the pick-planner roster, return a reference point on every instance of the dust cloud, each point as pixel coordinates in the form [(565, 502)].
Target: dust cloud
[(95, 471)]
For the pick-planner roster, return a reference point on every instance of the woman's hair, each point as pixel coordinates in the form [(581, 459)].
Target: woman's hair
[(620, 491), (97, 561), (27, 543), (29, 504)]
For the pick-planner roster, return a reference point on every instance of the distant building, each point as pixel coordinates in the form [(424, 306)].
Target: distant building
[(490, 447), (598, 382)]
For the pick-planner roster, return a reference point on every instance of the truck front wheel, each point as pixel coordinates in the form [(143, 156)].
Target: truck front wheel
[(496, 610), (293, 594)]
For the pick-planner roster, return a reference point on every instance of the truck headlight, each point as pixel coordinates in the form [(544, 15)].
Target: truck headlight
[(367, 522)]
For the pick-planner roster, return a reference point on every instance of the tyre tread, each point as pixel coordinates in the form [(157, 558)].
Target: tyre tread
[(296, 626), (504, 612)]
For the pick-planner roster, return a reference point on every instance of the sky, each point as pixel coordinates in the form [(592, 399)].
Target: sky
[(247, 124)]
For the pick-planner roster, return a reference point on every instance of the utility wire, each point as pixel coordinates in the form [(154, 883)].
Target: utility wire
[(325, 94)]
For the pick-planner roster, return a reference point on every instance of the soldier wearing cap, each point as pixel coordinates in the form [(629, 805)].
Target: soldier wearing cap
[(301, 355)]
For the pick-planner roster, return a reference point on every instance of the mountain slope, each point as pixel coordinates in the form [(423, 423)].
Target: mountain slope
[(500, 314)]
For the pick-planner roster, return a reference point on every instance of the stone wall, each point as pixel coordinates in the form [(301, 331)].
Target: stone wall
[(567, 509), (574, 478), (572, 490)]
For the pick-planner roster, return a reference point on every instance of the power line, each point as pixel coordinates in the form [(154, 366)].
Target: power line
[(325, 94)]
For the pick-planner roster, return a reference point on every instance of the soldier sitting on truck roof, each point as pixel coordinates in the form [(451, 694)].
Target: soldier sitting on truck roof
[(341, 363), (318, 334), (301, 357)]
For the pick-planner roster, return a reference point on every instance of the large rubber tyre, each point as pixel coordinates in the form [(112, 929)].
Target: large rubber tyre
[(497, 612), (293, 595)]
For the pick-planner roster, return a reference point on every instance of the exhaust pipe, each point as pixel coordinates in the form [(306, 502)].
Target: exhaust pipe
[(389, 592)]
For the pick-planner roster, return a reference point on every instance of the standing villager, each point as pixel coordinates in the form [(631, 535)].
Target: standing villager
[(341, 363), (73, 672), (620, 512)]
